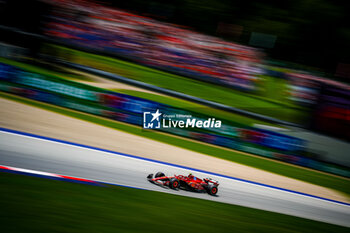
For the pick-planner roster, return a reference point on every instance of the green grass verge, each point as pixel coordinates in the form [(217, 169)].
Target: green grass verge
[(272, 104), (32, 204), (337, 183), (35, 69)]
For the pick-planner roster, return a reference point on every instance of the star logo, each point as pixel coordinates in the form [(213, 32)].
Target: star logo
[(151, 120), (156, 115)]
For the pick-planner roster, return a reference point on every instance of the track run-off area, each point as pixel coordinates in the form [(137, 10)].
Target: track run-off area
[(37, 153)]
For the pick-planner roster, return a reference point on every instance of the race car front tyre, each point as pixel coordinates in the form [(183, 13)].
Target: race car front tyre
[(174, 183), (212, 190)]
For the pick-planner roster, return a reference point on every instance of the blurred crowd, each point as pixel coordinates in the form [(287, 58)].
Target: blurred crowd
[(155, 43), (166, 46), (305, 88)]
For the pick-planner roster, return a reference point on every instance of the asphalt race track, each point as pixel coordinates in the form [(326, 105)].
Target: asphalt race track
[(38, 154)]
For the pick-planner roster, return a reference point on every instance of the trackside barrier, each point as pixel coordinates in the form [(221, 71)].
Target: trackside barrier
[(130, 109)]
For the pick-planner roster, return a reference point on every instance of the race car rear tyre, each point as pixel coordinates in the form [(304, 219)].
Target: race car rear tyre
[(213, 190), (174, 183), (159, 174)]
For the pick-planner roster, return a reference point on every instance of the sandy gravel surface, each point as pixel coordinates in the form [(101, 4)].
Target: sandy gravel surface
[(101, 82), (17, 116)]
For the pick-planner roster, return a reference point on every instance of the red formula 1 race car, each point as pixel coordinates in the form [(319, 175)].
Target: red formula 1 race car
[(189, 182)]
